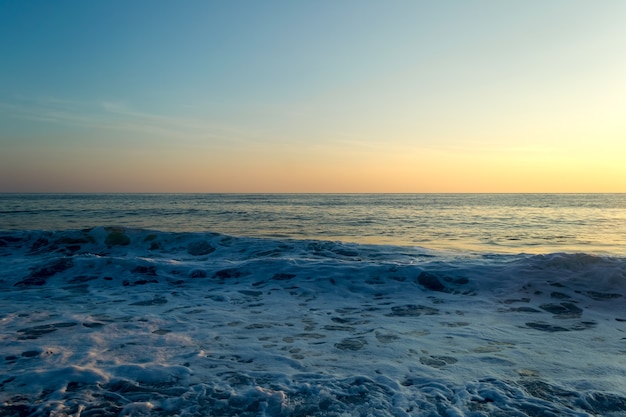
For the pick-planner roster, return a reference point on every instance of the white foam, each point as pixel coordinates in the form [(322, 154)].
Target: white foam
[(166, 325)]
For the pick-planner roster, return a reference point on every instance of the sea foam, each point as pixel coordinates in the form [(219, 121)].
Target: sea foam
[(117, 321)]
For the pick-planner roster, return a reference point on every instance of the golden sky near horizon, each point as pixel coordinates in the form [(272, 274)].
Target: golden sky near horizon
[(324, 97)]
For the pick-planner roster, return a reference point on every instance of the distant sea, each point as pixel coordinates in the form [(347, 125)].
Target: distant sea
[(471, 223), (328, 305)]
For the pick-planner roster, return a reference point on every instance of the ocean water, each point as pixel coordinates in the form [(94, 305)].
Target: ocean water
[(469, 223), (312, 305)]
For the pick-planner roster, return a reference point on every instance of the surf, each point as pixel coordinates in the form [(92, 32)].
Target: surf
[(123, 321)]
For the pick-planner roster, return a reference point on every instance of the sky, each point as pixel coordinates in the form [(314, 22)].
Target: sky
[(313, 96)]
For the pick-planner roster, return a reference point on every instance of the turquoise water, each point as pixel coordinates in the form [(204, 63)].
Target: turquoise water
[(474, 223)]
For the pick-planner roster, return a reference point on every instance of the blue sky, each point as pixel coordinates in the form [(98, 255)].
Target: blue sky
[(343, 96)]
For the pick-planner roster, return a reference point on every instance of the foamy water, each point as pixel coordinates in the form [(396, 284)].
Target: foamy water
[(135, 321), (114, 321)]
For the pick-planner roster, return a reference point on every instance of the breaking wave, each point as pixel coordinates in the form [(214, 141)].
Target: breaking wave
[(118, 321)]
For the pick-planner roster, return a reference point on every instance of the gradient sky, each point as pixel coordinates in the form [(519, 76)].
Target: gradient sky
[(318, 96)]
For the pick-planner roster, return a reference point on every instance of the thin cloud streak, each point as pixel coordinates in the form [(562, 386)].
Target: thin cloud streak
[(106, 115)]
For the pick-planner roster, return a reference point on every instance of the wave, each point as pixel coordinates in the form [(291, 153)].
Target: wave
[(185, 255), (120, 321)]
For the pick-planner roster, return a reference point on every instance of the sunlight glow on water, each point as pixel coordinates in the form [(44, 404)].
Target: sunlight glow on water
[(499, 223)]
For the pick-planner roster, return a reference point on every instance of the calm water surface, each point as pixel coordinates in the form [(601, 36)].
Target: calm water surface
[(477, 223)]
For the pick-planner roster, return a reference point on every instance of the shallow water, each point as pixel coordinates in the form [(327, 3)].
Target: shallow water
[(121, 321)]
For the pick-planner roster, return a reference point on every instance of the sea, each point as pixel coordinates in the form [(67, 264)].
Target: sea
[(313, 305)]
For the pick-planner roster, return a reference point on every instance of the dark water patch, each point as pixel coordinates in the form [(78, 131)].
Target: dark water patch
[(350, 320), (251, 293), (157, 301), (217, 297), (493, 360), (310, 336), (283, 276), (334, 328), (93, 324), (144, 390), (36, 332), (198, 273), (456, 281), (604, 403), (116, 237), (69, 250), (516, 300), (346, 310), (583, 325), (309, 324), (375, 281), (150, 237), (72, 240), (254, 326), (229, 273), (200, 248), (436, 361), (127, 283), (455, 324), (15, 408), (533, 410), (563, 310), (546, 327), (267, 253), (437, 282), (38, 245), (559, 295), (524, 310), (548, 392), (386, 338), (412, 310), (39, 276), (6, 381), (602, 296), (345, 252), (145, 270), (155, 246), (252, 305), (74, 289), (430, 282), (10, 239), (351, 344), (80, 279)]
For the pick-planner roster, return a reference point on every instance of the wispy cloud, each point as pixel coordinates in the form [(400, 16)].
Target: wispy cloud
[(119, 116)]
